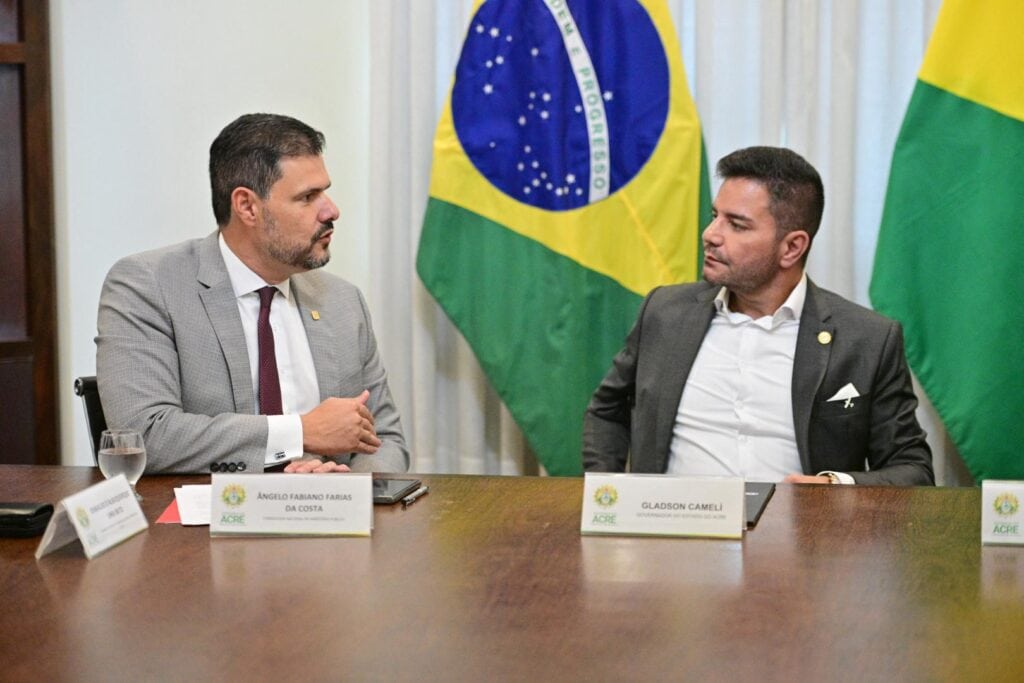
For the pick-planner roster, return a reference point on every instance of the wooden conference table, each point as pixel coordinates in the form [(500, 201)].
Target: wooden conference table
[(488, 578)]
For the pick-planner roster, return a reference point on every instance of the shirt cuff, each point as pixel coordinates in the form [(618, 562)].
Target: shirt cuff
[(843, 477), (284, 439)]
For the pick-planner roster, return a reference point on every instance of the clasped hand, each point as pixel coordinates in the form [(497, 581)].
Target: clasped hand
[(340, 425)]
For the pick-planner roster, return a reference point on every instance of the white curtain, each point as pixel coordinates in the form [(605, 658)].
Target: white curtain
[(828, 79)]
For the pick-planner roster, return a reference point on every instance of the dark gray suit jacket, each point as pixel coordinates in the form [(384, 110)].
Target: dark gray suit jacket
[(877, 440), (171, 360)]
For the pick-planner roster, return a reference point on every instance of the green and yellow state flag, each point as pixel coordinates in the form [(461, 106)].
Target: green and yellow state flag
[(951, 245), (568, 180)]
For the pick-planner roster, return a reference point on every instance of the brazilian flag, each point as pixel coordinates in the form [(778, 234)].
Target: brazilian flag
[(950, 248), (568, 180)]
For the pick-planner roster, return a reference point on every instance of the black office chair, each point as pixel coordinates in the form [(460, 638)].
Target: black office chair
[(94, 419)]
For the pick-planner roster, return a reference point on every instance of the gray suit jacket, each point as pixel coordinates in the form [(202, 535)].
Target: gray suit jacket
[(877, 440), (171, 360)]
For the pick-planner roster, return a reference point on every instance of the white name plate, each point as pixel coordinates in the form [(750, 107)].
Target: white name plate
[(661, 505), (291, 504), (1002, 518), (100, 516)]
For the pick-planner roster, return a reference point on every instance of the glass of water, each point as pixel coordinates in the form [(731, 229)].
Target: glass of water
[(122, 452)]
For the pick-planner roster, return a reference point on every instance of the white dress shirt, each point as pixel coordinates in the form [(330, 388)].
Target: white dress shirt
[(296, 372), (735, 417)]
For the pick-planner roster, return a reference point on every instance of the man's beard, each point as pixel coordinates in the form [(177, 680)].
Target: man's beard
[(297, 256), (753, 277)]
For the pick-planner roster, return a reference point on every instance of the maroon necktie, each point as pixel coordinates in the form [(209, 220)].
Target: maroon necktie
[(269, 384)]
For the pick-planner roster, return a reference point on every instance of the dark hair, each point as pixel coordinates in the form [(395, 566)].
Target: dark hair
[(246, 154), (797, 197)]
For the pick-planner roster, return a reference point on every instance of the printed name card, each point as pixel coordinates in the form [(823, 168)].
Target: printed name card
[(660, 505), (1002, 520), (291, 505), (100, 516)]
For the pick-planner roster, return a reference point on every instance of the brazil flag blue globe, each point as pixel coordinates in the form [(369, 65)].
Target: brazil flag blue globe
[(554, 104)]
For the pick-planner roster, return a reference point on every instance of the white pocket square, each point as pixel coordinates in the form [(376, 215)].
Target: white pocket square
[(847, 393)]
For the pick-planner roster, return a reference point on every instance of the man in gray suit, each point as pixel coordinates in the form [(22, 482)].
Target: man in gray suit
[(233, 352), (757, 372)]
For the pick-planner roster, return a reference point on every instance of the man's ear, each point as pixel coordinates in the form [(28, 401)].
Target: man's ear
[(794, 245), (246, 205)]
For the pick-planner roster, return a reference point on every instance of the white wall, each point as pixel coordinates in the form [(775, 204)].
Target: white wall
[(140, 89)]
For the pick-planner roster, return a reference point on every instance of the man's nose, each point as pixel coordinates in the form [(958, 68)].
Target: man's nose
[(329, 211), (711, 233)]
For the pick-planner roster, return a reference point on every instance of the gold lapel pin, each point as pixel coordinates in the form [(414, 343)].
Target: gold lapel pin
[(315, 315), (824, 338)]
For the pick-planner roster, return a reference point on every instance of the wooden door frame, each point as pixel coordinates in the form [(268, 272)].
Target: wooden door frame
[(32, 52)]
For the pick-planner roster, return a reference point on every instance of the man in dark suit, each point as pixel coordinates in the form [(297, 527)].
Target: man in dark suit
[(234, 352), (757, 372)]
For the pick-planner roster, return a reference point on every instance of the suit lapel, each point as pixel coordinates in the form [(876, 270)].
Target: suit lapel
[(218, 298), (310, 297), (692, 319), (810, 361)]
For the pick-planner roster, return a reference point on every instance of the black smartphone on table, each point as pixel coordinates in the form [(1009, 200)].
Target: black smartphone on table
[(390, 491)]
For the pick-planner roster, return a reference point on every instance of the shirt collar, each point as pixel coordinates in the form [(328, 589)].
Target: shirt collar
[(243, 279), (791, 309)]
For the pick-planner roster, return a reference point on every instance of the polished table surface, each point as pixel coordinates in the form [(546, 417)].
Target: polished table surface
[(488, 578)]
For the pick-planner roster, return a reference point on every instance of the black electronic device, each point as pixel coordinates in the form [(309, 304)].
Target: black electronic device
[(757, 496), (391, 491), (24, 520)]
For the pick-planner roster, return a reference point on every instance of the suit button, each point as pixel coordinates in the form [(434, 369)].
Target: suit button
[(241, 467), (232, 467), (214, 467)]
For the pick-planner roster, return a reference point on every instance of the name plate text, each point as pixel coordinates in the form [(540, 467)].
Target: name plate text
[(661, 505), (1002, 519), (291, 504), (100, 516)]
